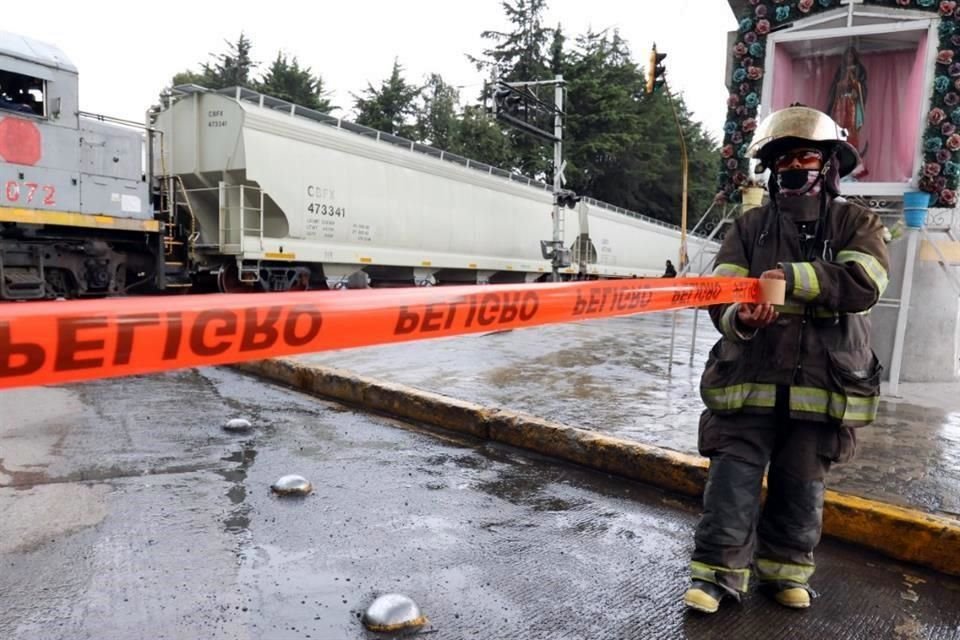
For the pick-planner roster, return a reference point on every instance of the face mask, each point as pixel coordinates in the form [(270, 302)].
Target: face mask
[(799, 182)]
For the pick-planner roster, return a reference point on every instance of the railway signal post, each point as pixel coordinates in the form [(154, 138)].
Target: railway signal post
[(517, 104)]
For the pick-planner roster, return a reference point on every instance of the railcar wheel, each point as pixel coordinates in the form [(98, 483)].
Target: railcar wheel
[(228, 281)]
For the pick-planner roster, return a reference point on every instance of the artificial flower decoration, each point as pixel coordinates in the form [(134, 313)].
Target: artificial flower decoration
[(940, 171)]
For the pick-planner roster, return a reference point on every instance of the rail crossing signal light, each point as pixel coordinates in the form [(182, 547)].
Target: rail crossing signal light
[(567, 198), (656, 71), (517, 105), (505, 100)]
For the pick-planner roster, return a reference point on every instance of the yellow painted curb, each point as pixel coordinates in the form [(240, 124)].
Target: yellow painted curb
[(394, 399), (898, 532)]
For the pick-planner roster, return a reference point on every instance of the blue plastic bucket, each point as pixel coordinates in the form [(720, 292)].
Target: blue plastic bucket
[(915, 205)]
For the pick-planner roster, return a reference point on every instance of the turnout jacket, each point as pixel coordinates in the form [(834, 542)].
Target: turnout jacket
[(818, 351)]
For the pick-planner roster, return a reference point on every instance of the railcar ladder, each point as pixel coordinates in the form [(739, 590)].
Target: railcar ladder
[(177, 241), (240, 219)]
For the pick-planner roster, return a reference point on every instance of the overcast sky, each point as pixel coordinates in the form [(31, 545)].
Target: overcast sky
[(125, 56)]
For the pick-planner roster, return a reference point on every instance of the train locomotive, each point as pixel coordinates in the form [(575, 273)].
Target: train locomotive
[(75, 212), (236, 191)]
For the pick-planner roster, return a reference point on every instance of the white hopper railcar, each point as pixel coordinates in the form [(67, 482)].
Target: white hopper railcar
[(266, 195)]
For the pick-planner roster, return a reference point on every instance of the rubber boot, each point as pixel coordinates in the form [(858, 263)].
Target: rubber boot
[(704, 596), (793, 597)]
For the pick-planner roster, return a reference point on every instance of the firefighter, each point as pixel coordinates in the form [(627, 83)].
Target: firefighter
[(787, 385)]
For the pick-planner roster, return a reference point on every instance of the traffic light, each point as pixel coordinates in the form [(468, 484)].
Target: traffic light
[(656, 71)]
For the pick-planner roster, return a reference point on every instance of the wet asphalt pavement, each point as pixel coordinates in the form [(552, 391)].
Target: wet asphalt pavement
[(129, 513), (612, 376)]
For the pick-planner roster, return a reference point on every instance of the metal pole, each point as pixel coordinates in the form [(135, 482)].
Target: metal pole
[(683, 222), (693, 341), (913, 239), (171, 194), (222, 196), (685, 170), (171, 183), (557, 161), (673, 338), (243, 219)]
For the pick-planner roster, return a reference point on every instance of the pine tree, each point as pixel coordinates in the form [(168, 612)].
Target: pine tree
[(556, 51), (228, 69), (234, 67), (603, 123), (391, 107), (285, 79), (519, 56), (622, 146), (480, 138), (658, 193), (437, 120)]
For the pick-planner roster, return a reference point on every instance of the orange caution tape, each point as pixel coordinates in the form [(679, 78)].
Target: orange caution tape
[(55, 342)]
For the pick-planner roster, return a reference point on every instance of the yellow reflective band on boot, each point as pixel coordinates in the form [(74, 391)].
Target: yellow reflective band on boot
[(730, 270), (738, 396), (770, 570), (870, 265), (709, 573), (806, 284)]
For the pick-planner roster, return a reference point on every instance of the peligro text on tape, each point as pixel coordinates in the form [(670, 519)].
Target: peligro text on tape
[(54, 342)]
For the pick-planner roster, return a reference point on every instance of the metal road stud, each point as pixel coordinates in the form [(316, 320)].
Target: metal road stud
[(393, 612), (292, 485), (239, 425)]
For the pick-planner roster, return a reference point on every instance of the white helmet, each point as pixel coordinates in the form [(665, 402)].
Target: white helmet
[(801, 126)]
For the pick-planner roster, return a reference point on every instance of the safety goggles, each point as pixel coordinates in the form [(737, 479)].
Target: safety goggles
[(810, 159)]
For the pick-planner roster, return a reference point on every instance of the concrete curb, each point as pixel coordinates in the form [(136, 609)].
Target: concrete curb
[(905, 534)]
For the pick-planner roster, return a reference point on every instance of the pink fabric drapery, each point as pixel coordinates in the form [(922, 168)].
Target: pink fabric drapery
[(895, 87), (784, 82)]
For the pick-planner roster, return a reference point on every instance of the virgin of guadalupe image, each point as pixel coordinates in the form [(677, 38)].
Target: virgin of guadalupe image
[(848, 99)]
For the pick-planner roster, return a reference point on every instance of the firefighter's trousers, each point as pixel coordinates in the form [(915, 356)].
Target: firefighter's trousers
[(734, 533)]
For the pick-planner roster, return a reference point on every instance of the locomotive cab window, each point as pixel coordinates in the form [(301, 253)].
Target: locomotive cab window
[(23, 94)]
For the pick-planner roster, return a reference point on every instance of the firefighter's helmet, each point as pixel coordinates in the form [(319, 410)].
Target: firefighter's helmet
[(798, 126)]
